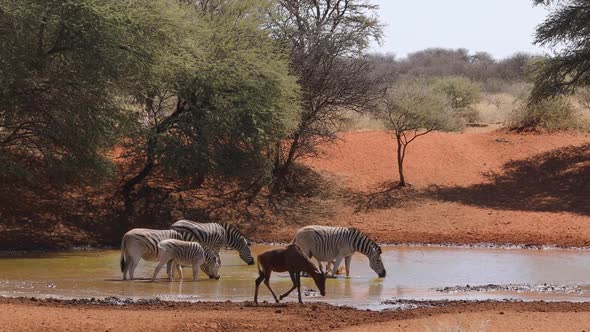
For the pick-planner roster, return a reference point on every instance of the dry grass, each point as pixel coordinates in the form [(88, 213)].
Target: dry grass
[(360, 122), (495, 108)]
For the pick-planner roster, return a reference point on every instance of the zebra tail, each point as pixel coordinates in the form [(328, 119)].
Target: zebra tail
[(122, 262)]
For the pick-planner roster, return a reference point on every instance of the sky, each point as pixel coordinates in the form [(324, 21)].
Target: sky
[(499, 27)]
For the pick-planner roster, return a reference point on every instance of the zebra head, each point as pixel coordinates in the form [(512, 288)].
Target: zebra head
[(237, 241), (211, 264), (376, 263), (369, 248)]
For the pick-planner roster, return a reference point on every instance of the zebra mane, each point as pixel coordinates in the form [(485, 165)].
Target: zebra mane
[(209, 253), (372, 243), (232, 228)]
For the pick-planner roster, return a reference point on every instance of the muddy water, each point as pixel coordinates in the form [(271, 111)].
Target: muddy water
[(413, 273)]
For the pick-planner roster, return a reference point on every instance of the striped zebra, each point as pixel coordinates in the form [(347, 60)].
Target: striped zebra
[(141, 243), (180, 253), (215, 236), (327, 243)]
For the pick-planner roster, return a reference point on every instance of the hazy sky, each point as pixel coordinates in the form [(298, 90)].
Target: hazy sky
[(499, 27)]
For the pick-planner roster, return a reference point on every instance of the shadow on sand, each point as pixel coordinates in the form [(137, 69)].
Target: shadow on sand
[(553, 181)]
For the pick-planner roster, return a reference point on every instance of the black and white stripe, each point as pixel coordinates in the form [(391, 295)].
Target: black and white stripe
[(215, 236), (141, 243), (180, 253), (327, 243)]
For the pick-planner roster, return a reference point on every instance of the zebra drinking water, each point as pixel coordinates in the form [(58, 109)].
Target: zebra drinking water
[(180, 253), (141, 243), (327, 243), (215, 236)]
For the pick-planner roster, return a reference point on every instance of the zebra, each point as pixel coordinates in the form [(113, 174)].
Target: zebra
[(215, 236), (141, 243), (327, 243), (180, 253)]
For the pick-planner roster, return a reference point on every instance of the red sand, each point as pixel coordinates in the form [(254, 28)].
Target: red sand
[(451, 200), (26, 315), (367, 159)]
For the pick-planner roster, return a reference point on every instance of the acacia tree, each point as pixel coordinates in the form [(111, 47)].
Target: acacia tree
[(64, 68), (567, 30), (327, 42), (462, 95), (220, 111), (410, 110)]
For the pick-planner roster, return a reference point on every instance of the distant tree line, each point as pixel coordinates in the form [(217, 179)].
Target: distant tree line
[(440, 62)]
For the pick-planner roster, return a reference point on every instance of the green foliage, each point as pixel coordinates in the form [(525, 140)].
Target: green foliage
[(222, 114), (64, 68), (553, 114), (412, 106), (462, 94), (567, 30), (411, 109)]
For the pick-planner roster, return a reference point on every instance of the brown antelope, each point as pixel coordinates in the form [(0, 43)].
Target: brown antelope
[(290, 259)]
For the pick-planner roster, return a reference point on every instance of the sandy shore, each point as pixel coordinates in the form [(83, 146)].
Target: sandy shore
[(52, 315)]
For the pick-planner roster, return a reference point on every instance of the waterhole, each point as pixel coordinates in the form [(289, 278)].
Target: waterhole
[(413, 273)]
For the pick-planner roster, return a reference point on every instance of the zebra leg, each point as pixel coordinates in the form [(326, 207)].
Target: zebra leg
[(294, 280), (337, 262), (157, 269), (179, 270), (320, 265), (329, 265), (133, 262), (347, 260), (171, 273), (196, 264), (169, 270)]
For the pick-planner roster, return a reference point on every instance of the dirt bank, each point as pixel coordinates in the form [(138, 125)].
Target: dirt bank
[(493, 187), (28, 315), (469, 188)]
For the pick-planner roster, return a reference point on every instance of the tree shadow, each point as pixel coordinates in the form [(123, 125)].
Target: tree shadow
[(554, 181), (388, 195)]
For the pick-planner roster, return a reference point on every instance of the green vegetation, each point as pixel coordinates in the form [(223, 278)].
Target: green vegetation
[(566, 30), (550, 114), (137, 100), (64, 67), (192, 93), (462, 95), (413, 109), (223, 112)]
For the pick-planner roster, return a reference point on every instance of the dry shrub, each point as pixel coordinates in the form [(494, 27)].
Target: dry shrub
[(554, 114), (495, 108), (360, 122)]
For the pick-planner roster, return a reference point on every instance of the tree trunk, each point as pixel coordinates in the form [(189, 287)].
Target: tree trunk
[(282, 168), (145, 171), (130, 184), (400, 161)]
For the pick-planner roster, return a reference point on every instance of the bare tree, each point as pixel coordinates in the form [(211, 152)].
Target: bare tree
[(410, 110), (328, 41)]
